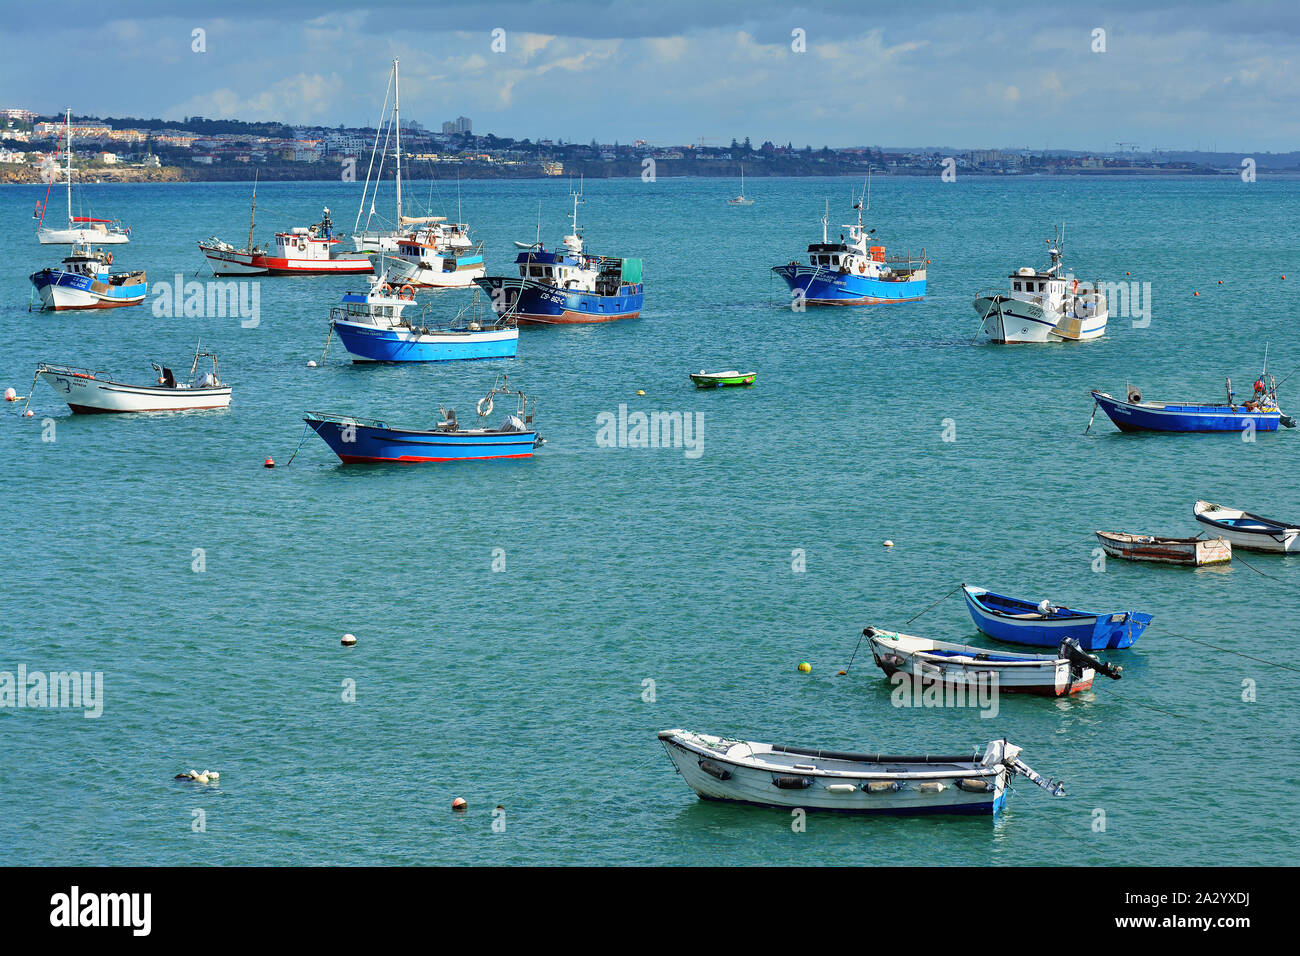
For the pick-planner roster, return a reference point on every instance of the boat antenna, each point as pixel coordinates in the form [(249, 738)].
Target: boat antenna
[(252, 213), (538, 242), (826, 216)]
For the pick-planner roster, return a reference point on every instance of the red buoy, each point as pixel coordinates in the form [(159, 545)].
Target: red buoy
[(270, 463)]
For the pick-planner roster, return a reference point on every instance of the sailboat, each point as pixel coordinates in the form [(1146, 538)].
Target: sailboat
[(100, 232), (741, 200), (430, 233)]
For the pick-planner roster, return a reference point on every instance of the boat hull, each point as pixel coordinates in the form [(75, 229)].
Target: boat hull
[(1191, 552), (1248, 531), (722, 381), (69, 237), (434, 273), (1094, 632), (370, 343), (88, 395), (819, 286), (1169, 417), (356, 441), (230, 263), (534, 303), (998, 673), (755, 786), (1010, 321), (61, 290)]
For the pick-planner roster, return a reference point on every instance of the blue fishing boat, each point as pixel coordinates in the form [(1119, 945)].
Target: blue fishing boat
[(372, 327), (369, 440), (84, 282), (1046, 625), (853, 272), (1260, 412), (567, 287)]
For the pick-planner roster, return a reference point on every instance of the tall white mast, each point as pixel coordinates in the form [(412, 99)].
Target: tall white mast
[(68, 137), (397, 120)]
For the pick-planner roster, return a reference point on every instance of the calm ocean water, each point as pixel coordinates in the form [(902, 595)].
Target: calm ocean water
[(525, 687)]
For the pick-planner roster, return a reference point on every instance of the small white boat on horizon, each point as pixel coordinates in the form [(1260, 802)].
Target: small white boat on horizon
[(1042, 306), (91, 392)]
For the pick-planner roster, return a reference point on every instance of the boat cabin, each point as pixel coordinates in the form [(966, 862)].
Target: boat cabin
[(312, 242), (579, 272)]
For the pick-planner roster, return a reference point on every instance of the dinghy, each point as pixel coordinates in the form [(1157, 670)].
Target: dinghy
[(1043, 624), (1069, 671), (369, 440), (1149, 547), (1246, 530), (768, 775), (90, 392), (703, 379)]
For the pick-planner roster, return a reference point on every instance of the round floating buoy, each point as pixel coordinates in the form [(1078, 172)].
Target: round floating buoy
[(459, 804), (842, 673), (348, 640), (1220, 282), (640, 391), (1284, 277), (28, 414), (888, 543), (1128, 273), (269, 463), (11, 395), (1195, 293), (805, 667), (311, 363)]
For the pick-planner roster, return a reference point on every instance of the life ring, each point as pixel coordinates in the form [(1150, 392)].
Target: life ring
[(108, 259), (385, 289), (862, 267), (408, 292), (484, 406), (1074, 288)]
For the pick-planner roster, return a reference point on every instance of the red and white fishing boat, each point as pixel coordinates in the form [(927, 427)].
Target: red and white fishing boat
[(304, 250)]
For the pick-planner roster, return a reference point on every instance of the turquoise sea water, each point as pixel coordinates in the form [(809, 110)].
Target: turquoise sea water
[(525, 687)]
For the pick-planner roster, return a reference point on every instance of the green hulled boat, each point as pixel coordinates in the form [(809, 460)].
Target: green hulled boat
[(703, 379)]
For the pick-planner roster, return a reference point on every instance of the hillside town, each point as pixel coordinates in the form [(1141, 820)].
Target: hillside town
[(199, 149)]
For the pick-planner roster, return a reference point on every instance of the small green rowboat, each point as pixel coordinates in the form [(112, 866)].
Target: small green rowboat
[(703, 379)]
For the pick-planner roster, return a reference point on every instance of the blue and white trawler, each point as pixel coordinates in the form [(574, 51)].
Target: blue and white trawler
[(852, 272)]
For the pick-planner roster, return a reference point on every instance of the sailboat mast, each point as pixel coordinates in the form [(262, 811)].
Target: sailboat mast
[(252, 215), (68, 137), (397, 121)]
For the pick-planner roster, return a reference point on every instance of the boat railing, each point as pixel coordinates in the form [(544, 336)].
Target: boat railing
[(346, 420), (69, 370), (918, 261)]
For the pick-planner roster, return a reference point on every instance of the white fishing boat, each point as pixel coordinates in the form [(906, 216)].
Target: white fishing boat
[(1196, 552), (438, 257), (303, 250), (82, 281), (1246, 530), (79, 229), (1070, 671), (1042, 306), (768, 775), (91, 392)]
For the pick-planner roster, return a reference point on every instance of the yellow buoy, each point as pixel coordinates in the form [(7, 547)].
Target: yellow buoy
[(805, 667), (640, 391)]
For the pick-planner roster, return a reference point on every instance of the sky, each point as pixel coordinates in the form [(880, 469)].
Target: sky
[(975, 74)]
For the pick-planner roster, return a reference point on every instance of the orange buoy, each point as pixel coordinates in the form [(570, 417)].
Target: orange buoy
[(269, 463), (1195, 293), (459, 804)]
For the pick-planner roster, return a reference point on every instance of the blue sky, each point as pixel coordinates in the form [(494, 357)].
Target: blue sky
[(1174, 75)]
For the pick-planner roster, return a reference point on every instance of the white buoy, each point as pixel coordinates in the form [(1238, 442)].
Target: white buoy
[(348, 640), (11, 395), (28, 414), (888, 543), (311, 363)]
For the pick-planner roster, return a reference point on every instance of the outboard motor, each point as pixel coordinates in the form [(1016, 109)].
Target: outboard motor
[(1079, 659)]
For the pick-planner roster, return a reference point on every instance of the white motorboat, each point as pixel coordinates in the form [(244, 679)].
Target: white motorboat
[(768, 775), (91, 392), (1042, 306), (1070, 671)]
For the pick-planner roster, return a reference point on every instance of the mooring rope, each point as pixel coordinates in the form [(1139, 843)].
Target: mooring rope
[(305, 426)]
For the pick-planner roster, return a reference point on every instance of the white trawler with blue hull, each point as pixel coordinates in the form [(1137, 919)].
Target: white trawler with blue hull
[(768, 775), (372, 327), (852, 271), (1042, 306)]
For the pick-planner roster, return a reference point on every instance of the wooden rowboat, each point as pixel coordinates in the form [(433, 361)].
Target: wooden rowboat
[(1070, 671), (768, 775), (703, 379), (1249, 531), (1148, 547)]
